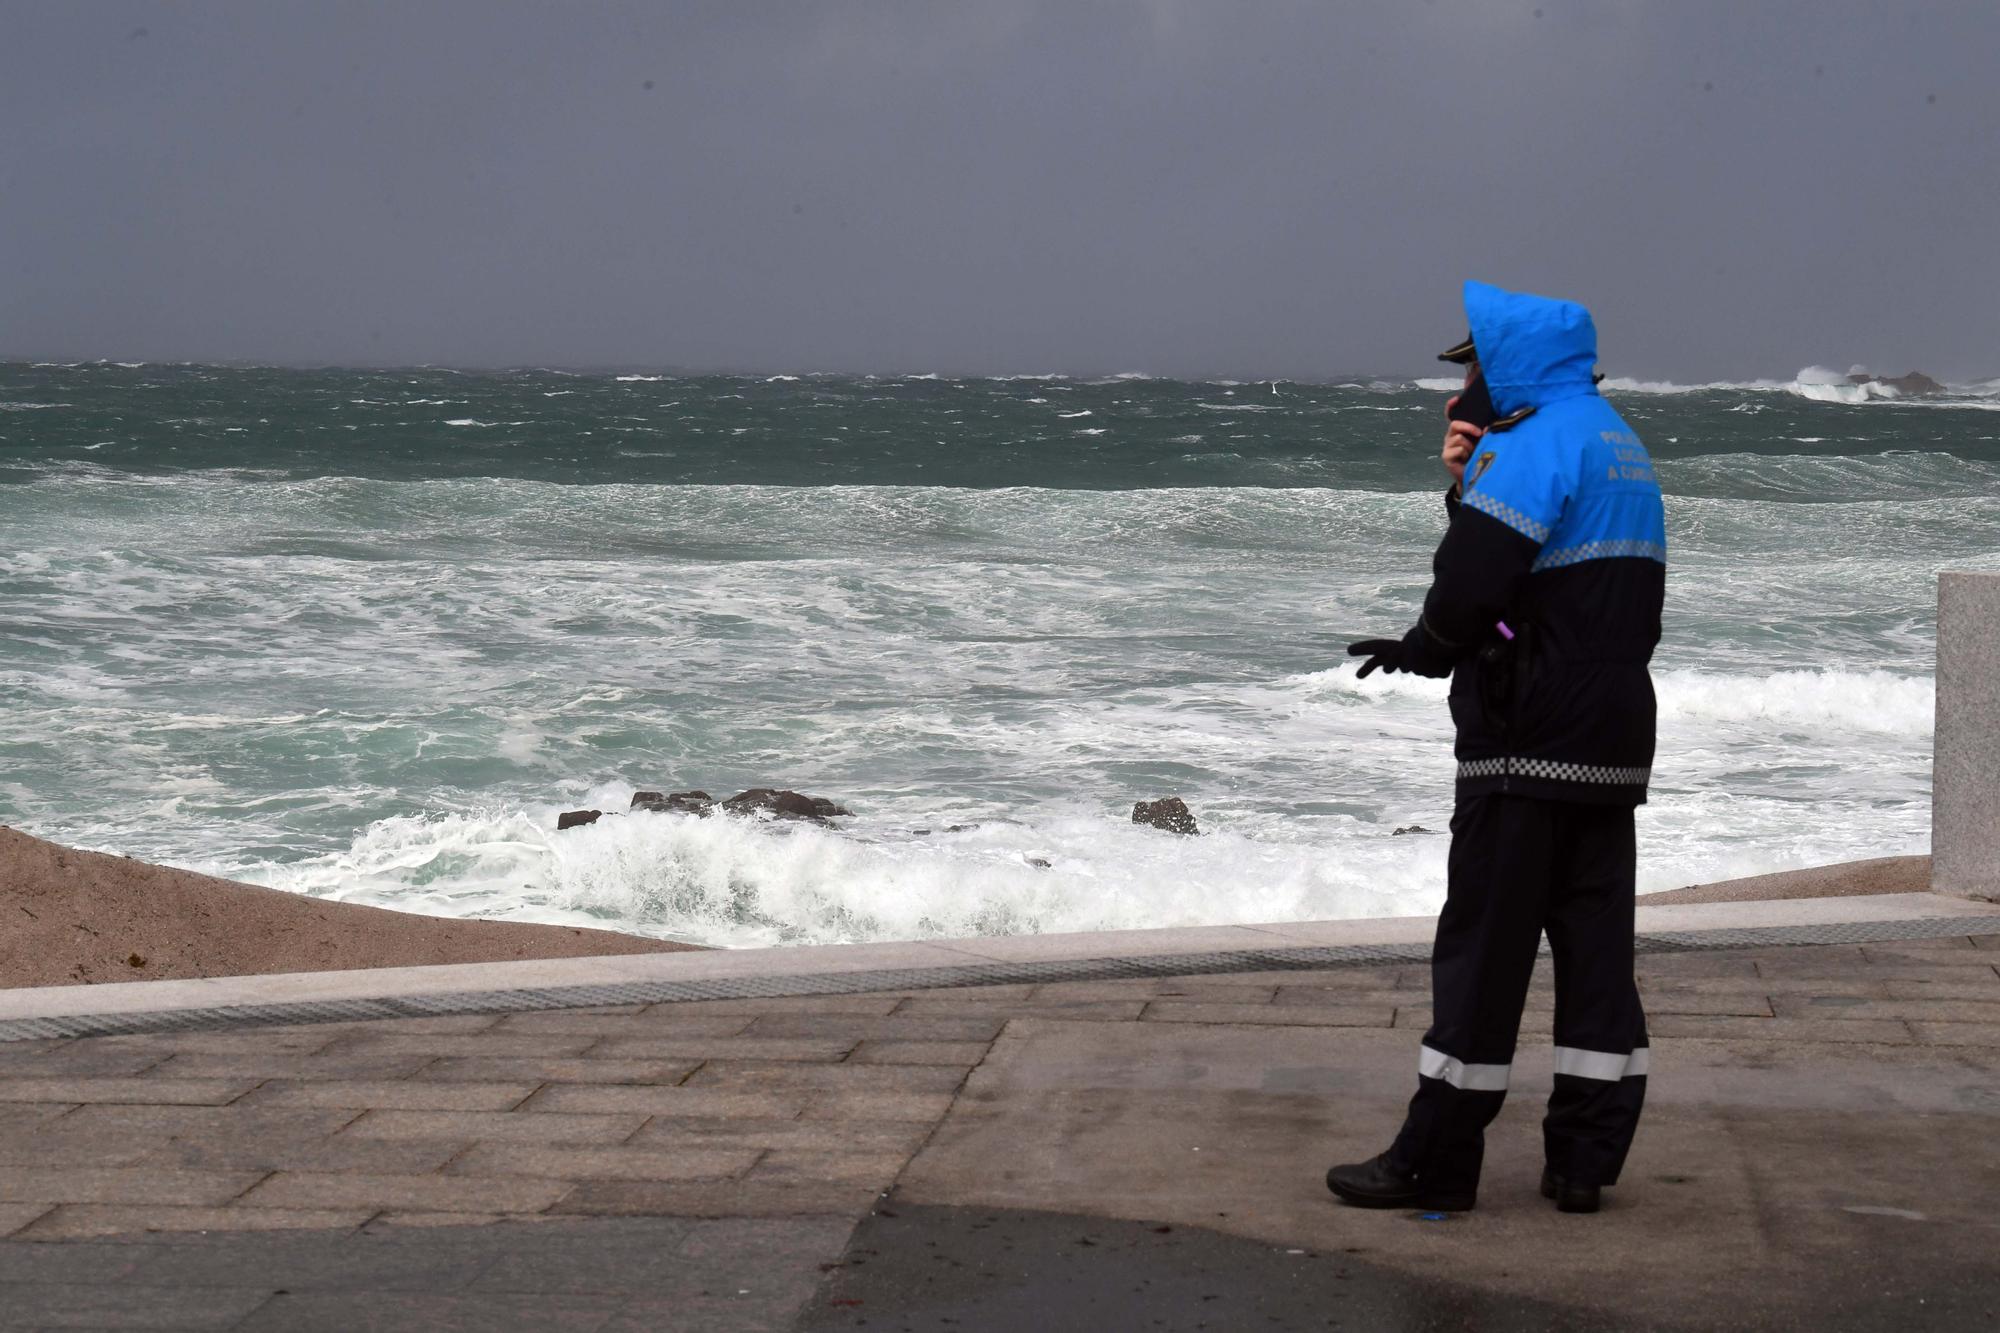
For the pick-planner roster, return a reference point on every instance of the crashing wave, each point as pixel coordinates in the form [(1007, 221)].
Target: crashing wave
[(743, 882), (1817, 384), (1816, 702)]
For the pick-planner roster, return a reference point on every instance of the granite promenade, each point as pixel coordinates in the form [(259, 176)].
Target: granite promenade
[(1820, 1149)]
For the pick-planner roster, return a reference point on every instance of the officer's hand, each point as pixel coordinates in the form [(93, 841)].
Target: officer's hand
[(1459, 439), (1386, 654)]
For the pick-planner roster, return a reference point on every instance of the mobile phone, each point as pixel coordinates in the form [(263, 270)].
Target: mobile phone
[(1474, 404)]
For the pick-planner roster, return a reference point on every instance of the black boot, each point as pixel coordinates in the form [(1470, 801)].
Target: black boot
[(1377, 1184), (1569, 1198)]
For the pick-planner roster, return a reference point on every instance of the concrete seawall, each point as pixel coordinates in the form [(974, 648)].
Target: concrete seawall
[(1965, 786)]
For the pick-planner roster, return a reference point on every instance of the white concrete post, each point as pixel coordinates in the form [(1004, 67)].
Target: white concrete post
[(1965, 762)]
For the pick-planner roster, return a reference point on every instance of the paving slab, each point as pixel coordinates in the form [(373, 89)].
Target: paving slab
[(1303, 1015), (600, 1099), (799, 1076), (495, 1126), (247, 1153), (15, 1216), (453, 1228), (663, 1023), (125, 1225), (304, 1068), (407, 1095), (73, 1263), (1729, 1003), (434, 1193), (1959, 987), (1884, 1031), (722, 1198), (954, 1006), (1956, 1034), (104, 1305), (727, 1048), (1750, 984), (621, 1162), (94, 1184), (867, 1104), (60, 1143), (248, 1040), (899, 1136), (211, 1124), (1852, 1007), (15, 1116), (1814, 968), (487, 1069), (71, 1060), (878, 1169), (961, 1054), (504, 1044), (141, 1091), (344, 1312)]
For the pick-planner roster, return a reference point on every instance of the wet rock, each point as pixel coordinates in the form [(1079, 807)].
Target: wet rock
[(1916, 384), (1412, 828), (955, 828), (577, 818), (782, 804), (678, 802), (1169, 813)]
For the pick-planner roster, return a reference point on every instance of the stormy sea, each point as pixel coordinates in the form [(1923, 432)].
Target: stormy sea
[(362, 635)]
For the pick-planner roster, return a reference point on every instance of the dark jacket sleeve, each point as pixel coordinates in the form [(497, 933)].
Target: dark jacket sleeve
[(1475, 576)]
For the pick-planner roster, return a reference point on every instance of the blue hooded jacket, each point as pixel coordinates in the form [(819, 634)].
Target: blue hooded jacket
[(1573, 477), (1559, 533)]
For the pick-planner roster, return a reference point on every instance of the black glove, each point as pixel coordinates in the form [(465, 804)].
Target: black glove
[(1416, 652), (1383, 654)]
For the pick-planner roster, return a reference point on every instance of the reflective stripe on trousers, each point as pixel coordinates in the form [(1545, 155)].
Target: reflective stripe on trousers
[(1465, 1077), (1605, 1066)]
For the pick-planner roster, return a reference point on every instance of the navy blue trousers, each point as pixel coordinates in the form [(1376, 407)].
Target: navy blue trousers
[(1521, 867)]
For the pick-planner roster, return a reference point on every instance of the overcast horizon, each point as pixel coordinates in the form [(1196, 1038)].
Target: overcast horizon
[(870, 186)]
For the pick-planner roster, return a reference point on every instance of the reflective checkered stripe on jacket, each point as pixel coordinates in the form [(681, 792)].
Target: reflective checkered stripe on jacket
[(1558, 558), (1553, 770)]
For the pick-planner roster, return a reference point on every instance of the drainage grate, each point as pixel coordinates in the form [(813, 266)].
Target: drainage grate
[(1310, 958)]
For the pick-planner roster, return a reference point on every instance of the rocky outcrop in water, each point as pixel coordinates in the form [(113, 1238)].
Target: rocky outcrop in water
[(773, 802), (1916, 384), (1169, 813), (678, 802), (781, 804)]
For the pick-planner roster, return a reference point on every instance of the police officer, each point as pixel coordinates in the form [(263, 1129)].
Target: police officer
[(1544, 610)]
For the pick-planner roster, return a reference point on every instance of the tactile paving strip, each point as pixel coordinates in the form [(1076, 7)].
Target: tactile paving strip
[(928, 978)]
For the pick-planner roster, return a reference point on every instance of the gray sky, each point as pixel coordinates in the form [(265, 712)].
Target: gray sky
[(1239, 187)]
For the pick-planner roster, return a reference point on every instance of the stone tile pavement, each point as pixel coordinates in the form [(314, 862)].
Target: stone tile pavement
[(1822, 1131)]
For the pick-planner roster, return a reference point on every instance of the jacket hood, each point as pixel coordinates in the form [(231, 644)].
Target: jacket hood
[(1533, 350)]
